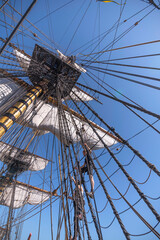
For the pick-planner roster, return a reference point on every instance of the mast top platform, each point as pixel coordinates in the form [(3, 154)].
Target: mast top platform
[(51, 71)]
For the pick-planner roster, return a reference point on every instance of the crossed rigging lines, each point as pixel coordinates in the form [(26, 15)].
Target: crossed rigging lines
[(63, 123), (64, 180)]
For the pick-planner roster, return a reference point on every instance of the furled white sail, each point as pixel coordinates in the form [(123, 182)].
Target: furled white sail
[(23, 60), (78, 95), (22, 195), (34, 162), (46, 119), (66, 59)]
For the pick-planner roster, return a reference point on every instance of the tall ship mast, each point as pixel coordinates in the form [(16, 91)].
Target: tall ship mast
[(79, 120)]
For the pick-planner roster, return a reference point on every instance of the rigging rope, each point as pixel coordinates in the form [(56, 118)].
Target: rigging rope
[(121, 167)]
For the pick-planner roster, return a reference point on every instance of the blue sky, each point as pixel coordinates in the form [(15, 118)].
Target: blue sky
[(60, 28)]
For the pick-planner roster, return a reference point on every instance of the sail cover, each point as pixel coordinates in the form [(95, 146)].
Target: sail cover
[(9, 153), (22, 196), (46, 119)]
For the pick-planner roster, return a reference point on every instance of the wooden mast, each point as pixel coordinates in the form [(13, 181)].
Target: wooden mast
[(16, 111)]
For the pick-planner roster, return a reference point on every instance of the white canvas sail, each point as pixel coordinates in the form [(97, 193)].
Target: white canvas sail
[(78, 95), (46, 119), (9, 90), (23, 195), (9, 153), (23, 60)]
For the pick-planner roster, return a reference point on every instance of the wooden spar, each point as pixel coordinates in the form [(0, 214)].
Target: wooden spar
[(54, 193), (15, 79), (2, 232), (14, 47), (26, 148), (13, 113), (54, 102), (8, 181), (29, 237), (4, 229)]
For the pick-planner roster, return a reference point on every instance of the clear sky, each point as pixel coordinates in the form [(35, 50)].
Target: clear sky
[(68, 26)]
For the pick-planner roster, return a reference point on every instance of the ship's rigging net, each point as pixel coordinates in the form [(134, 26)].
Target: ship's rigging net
[(97, 73)]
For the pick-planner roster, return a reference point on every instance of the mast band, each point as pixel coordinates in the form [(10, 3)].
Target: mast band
[(24, 102), (3, 126), (11, 116), (33, 91), (18, 109), (31, 98)]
